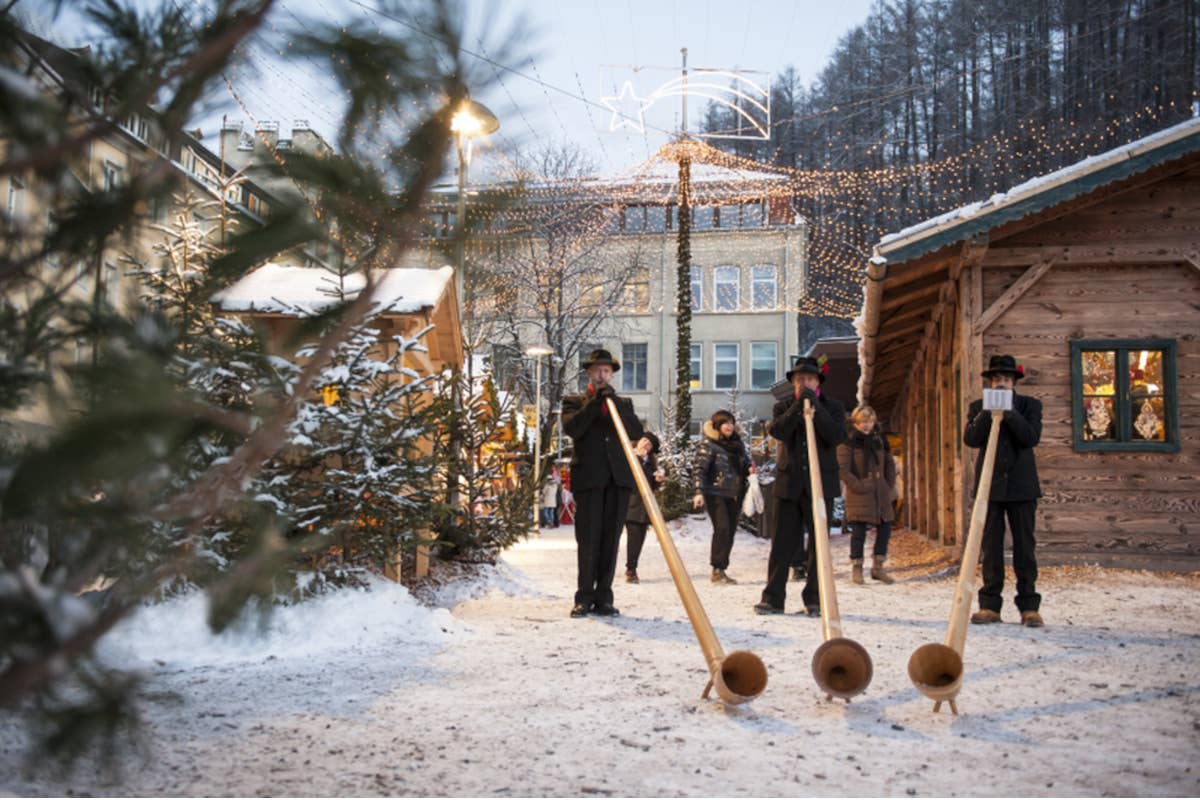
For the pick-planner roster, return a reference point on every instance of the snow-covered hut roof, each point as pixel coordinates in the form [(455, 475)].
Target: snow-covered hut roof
[(293, 290), (1042, 192)]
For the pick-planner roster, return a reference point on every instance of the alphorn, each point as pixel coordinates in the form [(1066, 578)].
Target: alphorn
[(937, 669), (739, 676), (841, 666)]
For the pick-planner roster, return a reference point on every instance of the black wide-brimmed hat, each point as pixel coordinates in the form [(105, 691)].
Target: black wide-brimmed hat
[(601, 357), (1004, 365), (806, 365)]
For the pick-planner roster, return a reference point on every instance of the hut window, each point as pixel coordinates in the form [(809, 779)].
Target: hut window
[(1124, 394)]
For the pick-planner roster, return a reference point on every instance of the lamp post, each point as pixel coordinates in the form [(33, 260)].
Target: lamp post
[(536, 352), (472, 119)]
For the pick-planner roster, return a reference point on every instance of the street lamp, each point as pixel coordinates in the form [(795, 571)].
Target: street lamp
[(536, 352), (471, 120)]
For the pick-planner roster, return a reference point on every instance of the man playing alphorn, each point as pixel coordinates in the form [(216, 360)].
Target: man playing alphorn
[(601, 481), (1014, 494), (793, 491)]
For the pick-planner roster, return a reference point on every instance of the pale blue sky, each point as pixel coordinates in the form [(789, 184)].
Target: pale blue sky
[(576, 40)]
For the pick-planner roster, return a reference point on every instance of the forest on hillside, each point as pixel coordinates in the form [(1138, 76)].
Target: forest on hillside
[(1006, 89)]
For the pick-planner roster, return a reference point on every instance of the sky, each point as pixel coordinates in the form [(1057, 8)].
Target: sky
[(577, 53)]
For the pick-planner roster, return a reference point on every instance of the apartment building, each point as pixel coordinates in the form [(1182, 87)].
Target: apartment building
[(748, 258)]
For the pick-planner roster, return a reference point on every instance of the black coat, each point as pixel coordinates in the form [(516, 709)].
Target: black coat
[(637, 509), (721, 467), (1015, 476), (791, 466), (598, 458)]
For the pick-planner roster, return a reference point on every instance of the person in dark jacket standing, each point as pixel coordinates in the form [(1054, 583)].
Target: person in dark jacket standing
[(722, 469), (793, 492), (1014, 494), (638, 518), (601, 481), (868, 472)]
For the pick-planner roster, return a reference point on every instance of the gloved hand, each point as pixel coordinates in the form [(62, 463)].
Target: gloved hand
[(808, 394), (606, 390)]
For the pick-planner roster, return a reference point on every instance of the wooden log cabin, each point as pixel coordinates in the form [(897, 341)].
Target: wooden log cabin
[(1090, 277)]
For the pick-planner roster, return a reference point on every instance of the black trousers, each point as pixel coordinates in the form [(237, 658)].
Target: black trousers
[(635, 538), (599, 517), (1021, 515), (723, 511), (858, 537), (791, 518)]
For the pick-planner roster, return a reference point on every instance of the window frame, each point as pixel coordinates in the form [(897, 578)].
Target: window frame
[(696, 280), (696, 357), (737, 364), (1121, 403), (774, 366), (737, 286), (627, 362), (754, 281)]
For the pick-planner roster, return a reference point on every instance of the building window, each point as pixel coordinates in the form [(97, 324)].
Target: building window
[(752, 215), (1124, 394), (726, 287), (656, 219), (762, 287), (725, 365), (703, 218), (111, 176), (729, 217), (635, 219), (696, 365), (764, 358), (697, 289), (633, 367), (694, 428), (635, 296)]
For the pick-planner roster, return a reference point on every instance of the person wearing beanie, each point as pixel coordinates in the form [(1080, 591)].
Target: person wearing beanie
[(723, 466)]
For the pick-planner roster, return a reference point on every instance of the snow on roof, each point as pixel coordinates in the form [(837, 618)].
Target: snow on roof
[(1035, 186), (289, 289)]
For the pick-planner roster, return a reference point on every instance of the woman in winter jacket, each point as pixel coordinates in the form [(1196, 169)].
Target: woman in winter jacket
[(637, 519), (722, 468), (868, 471)]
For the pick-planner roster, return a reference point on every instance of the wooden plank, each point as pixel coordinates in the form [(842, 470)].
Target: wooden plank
[(904, 298), (1014, 293)]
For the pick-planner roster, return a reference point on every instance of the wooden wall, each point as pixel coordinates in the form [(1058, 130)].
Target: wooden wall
[(1114, 277)]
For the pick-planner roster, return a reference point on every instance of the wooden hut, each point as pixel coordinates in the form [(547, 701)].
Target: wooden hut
[(1090, 277)]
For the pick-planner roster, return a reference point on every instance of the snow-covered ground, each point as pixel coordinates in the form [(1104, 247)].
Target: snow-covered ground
[(503, 694)]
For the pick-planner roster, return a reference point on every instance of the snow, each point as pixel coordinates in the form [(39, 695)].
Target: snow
[(366, 694), (1041, 183), (289, 289)]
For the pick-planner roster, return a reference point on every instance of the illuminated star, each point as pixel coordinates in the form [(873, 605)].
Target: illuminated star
[(627, 109)]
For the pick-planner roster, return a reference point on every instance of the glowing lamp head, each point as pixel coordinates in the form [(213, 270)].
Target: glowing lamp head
[(473, 119)]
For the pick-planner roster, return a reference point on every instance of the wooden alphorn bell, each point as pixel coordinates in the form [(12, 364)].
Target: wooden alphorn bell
[(842, 667), (739, 676), (937, 669)]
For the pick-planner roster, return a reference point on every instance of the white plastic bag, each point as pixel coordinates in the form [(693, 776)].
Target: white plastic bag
[(753, 503)]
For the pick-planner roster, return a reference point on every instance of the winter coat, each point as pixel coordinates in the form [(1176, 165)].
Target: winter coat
[(1015, 476), (637, 509), (791, 465), (550, 493), (868, 472), (722, 465), (598, 459)]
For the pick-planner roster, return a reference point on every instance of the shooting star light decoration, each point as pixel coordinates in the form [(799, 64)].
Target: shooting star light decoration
[(749, 101)]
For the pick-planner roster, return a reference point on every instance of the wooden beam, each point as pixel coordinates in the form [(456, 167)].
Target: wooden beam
[(908, 297), (1194, 260), (1098, 255), (1015, 292), (973, 252)]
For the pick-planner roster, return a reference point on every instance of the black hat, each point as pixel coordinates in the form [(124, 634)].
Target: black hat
[(601, 357), (655, 444), (1004, 365), (806, 365)]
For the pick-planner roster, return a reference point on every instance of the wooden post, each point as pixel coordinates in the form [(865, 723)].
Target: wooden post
[(970, 307)]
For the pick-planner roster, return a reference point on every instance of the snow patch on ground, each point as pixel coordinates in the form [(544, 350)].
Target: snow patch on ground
[(176, 633)]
